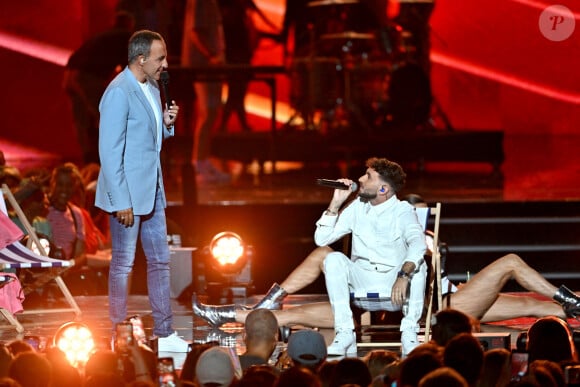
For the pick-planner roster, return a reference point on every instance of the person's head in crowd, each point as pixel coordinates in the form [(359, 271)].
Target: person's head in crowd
[(549, 338), (496, 368), (66, 186), (464, 354), (307, 348), (298, 376), (390, 374), (448, 323), (10, 176), (188, 367), (62, 370), (102, 362), (325, 372), (22, 366), (261, 333), (18, 346), (443, 377), (350, 370), (416, 365), (554, 369), (32, 199), (539, 376), (258, 375), (377, 359), (215, 367)]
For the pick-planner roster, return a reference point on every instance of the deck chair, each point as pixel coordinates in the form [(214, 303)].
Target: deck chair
[(18, 256), (433, 288)]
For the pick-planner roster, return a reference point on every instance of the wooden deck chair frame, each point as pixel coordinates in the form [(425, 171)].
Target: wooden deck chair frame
[(40, 260), (434, 280)]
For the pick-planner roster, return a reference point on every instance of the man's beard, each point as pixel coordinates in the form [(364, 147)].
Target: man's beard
[(365, 196)]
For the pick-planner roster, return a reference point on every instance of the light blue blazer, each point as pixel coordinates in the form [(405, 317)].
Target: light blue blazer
[(129, 147)]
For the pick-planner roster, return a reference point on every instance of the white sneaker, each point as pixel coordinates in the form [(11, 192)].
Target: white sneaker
[(172, 343), (409, 341), (344, 344)]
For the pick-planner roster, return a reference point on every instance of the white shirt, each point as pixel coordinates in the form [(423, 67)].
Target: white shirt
[(156, 106), (388, 233)]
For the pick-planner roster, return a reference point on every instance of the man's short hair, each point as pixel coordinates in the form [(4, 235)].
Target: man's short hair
[(140, 44), (261, 325), (391, 172)]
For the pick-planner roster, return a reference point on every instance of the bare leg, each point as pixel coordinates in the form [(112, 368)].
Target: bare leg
[(507, 306), (318, 314), (307, 272), (478, 295)]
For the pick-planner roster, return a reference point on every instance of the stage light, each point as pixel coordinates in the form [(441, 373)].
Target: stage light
[(76, 341), (228, 266), (228, 252)]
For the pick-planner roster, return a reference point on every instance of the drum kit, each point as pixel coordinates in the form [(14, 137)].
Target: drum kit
[(354, 72)]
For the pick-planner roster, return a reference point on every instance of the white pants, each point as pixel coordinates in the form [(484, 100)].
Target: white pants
[(343, 276)]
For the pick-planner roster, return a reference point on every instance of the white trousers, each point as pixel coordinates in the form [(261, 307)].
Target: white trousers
[(343, 277)]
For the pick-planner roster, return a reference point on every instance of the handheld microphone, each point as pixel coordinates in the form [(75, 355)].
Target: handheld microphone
[(336, 184), (164, 80)]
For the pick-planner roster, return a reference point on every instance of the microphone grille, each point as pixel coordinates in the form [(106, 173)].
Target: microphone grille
[(164, 77), (354, 187)]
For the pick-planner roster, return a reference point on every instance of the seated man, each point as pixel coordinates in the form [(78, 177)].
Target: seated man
[(387, 253), (388, 245)]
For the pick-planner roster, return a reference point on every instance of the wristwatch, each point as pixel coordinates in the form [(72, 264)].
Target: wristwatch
[(403, 274)]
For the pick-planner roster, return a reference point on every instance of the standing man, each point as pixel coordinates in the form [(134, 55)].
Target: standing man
[(388, 244), (130, 184)]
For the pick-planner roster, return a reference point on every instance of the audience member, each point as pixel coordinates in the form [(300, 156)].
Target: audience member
[(325, 372), (258, 375), (496, 368), (22, 366), (298, 376), (87, 73), (261, 337), (215, 368), (10, 176), (553, 368), (34, 204), (550, 338), (464, 354), (63, 373), (377, 359), (203, 45), (350, 370), (415, 366), (66, 219), (188, 367), (307, 348), (17, 347), (447, 324), (443, 377)]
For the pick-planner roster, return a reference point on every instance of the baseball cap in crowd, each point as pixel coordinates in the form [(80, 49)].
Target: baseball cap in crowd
[(215, 365), (307, 347)]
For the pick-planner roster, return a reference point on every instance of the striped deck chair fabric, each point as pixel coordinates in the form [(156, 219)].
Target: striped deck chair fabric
[(18, 256)]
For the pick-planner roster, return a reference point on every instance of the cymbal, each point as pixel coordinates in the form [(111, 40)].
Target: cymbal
[(348, 35), (331, 2)]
